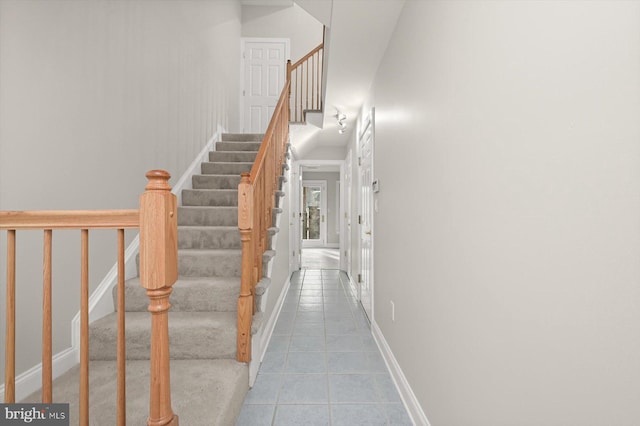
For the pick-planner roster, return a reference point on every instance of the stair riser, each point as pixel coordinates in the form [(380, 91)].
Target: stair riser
[(197, 342), (220, 216), (225, 168), (215, 182), (205, 264), (237, 146), (196, 197), (227, 157), (193, 263), (186, 299), (201, 238), (242, 137)]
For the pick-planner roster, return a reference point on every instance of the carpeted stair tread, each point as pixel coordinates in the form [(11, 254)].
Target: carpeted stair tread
[(263, 285), (229, 156), (208, 216), (203, 392), (211, 181), (238, 146), (192, 294), (226, 167), (209, 262), (242, 137), (210, 197), (193, 335), (209, 237)]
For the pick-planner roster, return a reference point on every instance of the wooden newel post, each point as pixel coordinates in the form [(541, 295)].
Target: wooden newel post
[(245, 300), (158, 272)]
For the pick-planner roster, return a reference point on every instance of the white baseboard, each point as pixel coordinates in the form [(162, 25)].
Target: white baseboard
[(31, 380), (409, 399), (194, 168), (353, 286), (260, 349)]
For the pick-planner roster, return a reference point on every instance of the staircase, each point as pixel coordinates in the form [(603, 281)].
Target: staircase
[(208, 385)]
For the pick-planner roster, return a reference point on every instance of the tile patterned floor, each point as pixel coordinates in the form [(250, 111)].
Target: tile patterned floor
[(320, 258), (322, 366)]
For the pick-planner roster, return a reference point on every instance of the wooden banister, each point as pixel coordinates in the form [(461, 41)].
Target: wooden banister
[(157, 220), (255, 206), (71, 219), (256, 191), (306, 76)]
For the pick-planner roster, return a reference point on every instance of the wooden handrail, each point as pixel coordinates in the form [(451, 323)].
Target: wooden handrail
[(256, 201), (306, 76), (308, 55), (70, 219), (157, 220)]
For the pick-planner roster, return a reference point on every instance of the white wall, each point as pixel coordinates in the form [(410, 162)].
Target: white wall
[(294, 23), (92, 95), (280, 271), (324, 153), (507, 149)]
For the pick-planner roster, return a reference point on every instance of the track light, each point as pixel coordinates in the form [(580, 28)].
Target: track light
[(341, 117)]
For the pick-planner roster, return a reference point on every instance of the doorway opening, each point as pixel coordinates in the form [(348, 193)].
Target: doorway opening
[(318, 205)]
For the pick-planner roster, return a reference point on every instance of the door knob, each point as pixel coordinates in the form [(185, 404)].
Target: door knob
[(368, 232)]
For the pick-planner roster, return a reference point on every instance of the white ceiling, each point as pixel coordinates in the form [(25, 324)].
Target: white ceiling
[(357, 38), (284, 3)]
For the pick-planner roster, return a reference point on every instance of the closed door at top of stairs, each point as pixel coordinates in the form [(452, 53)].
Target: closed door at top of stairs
[(264, 68)]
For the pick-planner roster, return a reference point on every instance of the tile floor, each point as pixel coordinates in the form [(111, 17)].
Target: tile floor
[(322, 366), (320, 258)]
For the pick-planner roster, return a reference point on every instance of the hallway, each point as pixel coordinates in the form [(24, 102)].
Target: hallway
[(320, 258), (322, 366)]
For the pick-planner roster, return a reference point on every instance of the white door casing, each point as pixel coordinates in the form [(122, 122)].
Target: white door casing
[(264, 67), (365, 148), (295, 239), (348, 179)]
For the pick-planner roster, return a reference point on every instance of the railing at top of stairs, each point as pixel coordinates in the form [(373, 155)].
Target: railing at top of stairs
[(157, 221), (306, 76)]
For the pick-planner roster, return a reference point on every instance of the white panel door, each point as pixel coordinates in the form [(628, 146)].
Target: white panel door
[(366, 217), (264, 65)]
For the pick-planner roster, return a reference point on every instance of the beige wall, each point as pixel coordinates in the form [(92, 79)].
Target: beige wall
[(294, 23), (507, 149), (92, 95)]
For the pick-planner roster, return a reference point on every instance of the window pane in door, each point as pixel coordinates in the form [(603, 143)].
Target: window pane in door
[(311, 214)]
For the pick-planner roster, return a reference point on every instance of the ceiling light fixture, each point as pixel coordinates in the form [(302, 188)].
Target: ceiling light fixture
[(341, 117)]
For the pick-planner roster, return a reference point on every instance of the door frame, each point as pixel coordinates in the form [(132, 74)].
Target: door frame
[(346, 217), (368, 121), (296, 201), (243, 45)]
